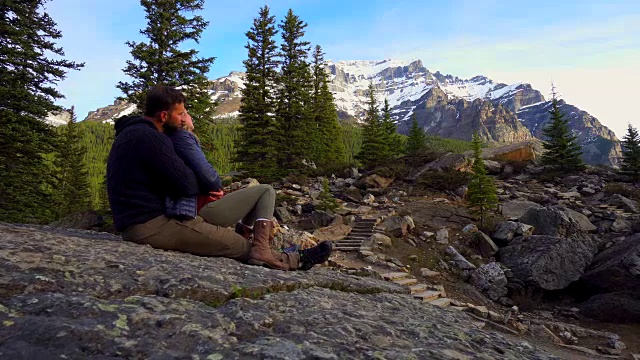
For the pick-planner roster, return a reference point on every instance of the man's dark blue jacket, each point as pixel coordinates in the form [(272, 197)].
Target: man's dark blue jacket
[(142, 170)]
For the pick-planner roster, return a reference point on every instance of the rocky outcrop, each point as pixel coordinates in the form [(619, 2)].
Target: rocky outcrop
[(457, 118), (617, 307), (616, 268), (79, 295), (547, 262), (111, 112), (552, 222)]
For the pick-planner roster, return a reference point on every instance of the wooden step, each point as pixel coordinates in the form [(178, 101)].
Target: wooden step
[(417, 288), (427, 295), (394, 275), (406, 281), (347, 248), (441, 302)]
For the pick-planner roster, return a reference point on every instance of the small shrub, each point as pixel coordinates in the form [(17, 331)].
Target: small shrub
[(289, 199), (327, 201), (391, 169), (490, 223), (340, 170), (444, 180), (550, 176), (448, 145), (625, 190), (297, 178)]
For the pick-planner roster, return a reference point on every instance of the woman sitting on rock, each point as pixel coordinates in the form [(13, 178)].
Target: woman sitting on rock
[(250, 209)]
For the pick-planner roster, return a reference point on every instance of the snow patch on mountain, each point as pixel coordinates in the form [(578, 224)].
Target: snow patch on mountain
[(58, 118)]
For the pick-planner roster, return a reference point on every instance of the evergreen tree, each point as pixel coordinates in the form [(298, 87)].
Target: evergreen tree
[(352, 141), (417, 139), (562, 149), (161, 61), (96, 138), (482, 192), (73, 181), (293, 110), (373, 148), (257, 144), (391, 138), (27, 95), (103, 199), (631, 153), (328, 146)]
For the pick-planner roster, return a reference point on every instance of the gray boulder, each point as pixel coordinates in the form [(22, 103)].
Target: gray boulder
[(621, 225), (395, 225), (618, 307), (624, 203), (583, 222), (616, 268), (460, 261), (547, 262), (490, 279), (516, 208), (483, 244), (282, 214), (447, 162), (507, 230), (316, 220), (552, 222), (493, 167), (442, 236)]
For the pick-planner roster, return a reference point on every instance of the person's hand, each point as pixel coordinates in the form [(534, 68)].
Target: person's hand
[(216, 195)]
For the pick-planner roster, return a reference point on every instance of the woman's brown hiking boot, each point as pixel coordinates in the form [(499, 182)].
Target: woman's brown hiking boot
[(260, 253)]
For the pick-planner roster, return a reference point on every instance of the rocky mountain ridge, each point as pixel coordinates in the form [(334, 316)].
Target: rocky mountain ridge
[(444, 105)]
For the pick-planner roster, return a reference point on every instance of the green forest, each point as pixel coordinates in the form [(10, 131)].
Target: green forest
[(287, 123)]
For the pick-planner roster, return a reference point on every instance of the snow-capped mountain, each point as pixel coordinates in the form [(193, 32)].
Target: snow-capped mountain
[(444, 105), (404, 82)]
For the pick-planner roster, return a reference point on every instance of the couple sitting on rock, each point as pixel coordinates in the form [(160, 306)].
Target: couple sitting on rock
[(164, 193)]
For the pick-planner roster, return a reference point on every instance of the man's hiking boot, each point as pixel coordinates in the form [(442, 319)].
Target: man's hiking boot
[(315, 255), (244, 230), (260, 253)]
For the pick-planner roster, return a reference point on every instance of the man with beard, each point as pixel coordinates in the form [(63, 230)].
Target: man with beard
[(143, 170)]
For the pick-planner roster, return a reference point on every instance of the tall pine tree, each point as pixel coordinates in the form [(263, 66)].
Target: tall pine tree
[(562, 149), (482, 193), (391, 138), (294, 95), (373, 148), (417, 139), (258, 143), (329, 149), (631, 153), (27, 95), (161, 61), (73, 181)]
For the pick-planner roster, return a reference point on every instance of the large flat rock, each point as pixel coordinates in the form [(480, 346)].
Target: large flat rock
[(80, 296)]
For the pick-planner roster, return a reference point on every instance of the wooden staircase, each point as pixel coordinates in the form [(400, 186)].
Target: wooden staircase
[(360, 232)]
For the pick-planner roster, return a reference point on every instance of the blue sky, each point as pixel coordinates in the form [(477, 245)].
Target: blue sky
[(590, 49)]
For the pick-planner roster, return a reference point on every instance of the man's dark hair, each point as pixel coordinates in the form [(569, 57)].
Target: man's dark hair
[(161, 98)]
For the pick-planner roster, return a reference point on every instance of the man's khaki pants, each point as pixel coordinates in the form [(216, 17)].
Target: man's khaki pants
[(197, 237)]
